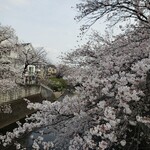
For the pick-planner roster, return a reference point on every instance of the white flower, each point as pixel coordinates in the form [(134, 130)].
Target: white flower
[(123, 142), (110, 113), (101, 104), (103, 145)]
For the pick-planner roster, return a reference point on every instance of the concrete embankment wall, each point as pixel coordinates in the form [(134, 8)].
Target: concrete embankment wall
[(19, 110), (25, 91), (18, 93), (19, 107), (46, 92)]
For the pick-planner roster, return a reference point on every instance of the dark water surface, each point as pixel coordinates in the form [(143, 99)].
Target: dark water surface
[(27, 139), (50, 134)]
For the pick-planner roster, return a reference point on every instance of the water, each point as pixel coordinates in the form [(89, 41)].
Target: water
[(49, 134)]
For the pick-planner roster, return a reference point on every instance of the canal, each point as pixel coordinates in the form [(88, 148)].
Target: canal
[(50, 133)]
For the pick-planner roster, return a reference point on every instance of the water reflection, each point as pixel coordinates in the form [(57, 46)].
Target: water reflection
[(47, 136)]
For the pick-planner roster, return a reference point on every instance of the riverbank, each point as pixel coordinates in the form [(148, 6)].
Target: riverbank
[(26, 140), (19, 110)]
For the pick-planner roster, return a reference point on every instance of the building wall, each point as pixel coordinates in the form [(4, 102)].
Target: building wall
[(13, 55), (51, 71)]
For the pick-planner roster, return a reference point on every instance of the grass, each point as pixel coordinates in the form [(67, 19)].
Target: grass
[(57, 84)]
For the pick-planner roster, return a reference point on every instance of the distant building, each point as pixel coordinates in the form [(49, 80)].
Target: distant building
[(30, 75), (51, 70), (11, 56), (34, 72)]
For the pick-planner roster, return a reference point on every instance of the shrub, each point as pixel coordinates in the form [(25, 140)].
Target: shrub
[(57, 84)]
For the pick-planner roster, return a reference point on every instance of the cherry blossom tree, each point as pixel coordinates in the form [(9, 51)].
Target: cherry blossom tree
[(114, 11), (113, 90), (28, 55), (8, 41), (110, 108)]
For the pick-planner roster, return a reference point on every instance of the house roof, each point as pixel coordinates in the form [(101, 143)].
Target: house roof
[(23, 44), (52, 66)]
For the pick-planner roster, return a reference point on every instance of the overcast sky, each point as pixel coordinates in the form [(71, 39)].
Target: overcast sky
[(45, 23)]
